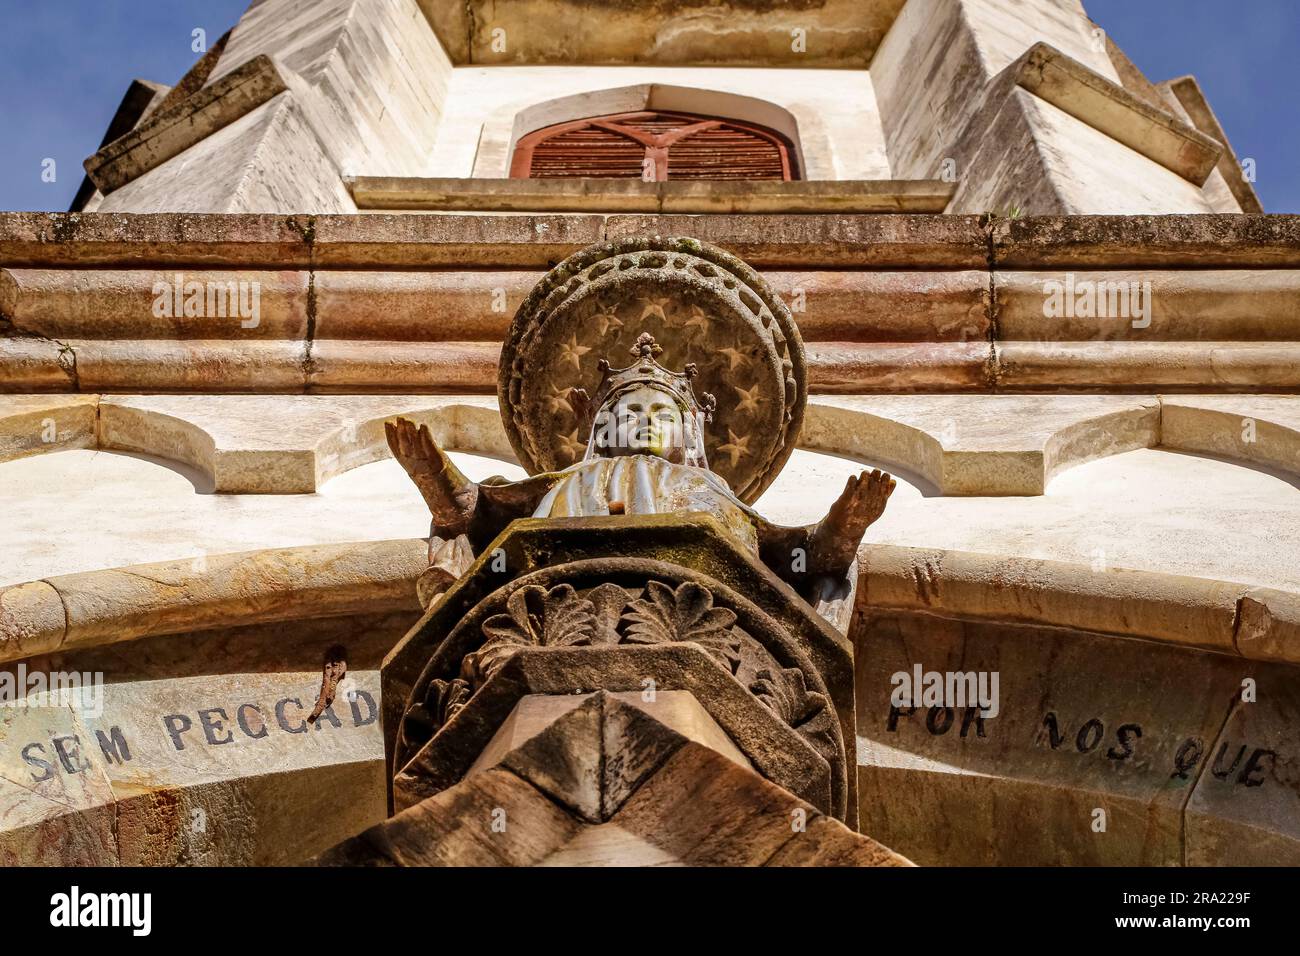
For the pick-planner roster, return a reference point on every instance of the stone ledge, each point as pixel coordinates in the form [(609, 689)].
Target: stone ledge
[(633, 195), (1188, 93), (982, 445), (840, 33), (399, 241), (1225, 617), (95, 608), (169, 133), (1109, 108)]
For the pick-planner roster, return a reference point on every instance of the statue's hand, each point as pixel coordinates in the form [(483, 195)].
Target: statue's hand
[(835, 541), (451, 496)]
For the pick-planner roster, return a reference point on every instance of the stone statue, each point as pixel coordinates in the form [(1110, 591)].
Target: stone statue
[(645, 558), (645, 454)]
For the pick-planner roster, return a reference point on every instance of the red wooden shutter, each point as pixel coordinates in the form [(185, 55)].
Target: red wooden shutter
[(668, 145)]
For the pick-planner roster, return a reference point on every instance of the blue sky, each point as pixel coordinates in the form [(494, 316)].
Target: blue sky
[(64, 65), (1245, 56)]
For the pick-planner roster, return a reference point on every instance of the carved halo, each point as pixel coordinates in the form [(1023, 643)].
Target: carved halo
[(703, 306)]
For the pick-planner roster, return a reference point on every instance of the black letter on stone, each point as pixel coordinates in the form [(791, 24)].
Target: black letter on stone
[(970, 716), (357, 719), (38, 762), (213, 727), (284, 723), (1188, 756), (328, 714), (69, 760), (113, 744), (1054, 735), (895, 713), (936, 727), (1081, 739), (1252, 766), (1126, 734), (177, 724), (1224, 774), (243, 721)]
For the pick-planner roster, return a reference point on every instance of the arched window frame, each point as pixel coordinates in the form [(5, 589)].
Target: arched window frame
[(656, 145)]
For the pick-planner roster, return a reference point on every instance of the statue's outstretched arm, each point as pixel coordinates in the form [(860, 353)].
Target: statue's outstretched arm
[(827, 549), (460, 506), (452, 498), (833, 541)]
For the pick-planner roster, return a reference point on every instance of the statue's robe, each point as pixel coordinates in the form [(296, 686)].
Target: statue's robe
[(643, 485), (646, 485)]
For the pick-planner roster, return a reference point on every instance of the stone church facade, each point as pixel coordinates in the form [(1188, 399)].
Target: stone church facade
[(368, 254)]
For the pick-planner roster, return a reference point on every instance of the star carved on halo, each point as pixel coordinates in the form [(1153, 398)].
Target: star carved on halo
[(749, 398), (698, 320), (735, 356), (606, 321), (558, 399), (737, 447), (572, 352), (652, 308), (571, 445)]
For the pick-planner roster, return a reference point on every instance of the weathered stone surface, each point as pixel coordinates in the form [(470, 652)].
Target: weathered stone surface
[(828, 842), (202, 741), (1268, 625), (181, 304), (1245, 808), (982, 445), (32, 619), (775, 751), (1089, 730), (104, 607), (1146, 241), (1261, 429), (267, 161), (315, 438), (1185, 305), (565, 761), (840, 33), (33, 425), (56, 804), (692, 806), (1187, 94), (1086, 95), (633, 195), (42, 240), (369, 76), (171, 131), (1180, 610), (492, 819)]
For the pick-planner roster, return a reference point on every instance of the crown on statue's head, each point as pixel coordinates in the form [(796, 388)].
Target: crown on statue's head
[(647, 371)]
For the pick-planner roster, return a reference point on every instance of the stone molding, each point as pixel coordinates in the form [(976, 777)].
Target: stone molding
[(1109, 108), (96, 608), (959, 445), (800, 196), (171, 131)]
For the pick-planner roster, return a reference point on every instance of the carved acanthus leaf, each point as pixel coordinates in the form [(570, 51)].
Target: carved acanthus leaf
[(786, 694), (665, 615), (537, 617), (686, 614)]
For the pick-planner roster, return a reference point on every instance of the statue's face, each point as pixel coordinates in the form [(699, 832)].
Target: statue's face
[(642, 421)]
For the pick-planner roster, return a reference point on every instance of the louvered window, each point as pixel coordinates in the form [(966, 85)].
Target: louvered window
[(653, 146)]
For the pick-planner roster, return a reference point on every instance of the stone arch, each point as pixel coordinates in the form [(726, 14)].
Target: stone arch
[(505, 127)]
